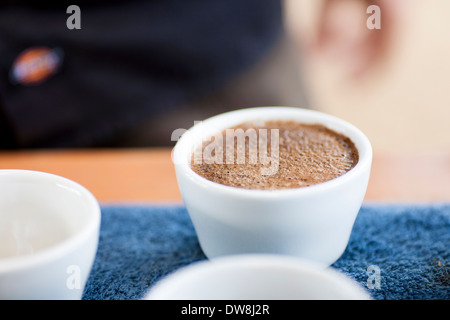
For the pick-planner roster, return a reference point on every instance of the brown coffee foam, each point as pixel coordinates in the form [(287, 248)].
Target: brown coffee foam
[(308, 154)]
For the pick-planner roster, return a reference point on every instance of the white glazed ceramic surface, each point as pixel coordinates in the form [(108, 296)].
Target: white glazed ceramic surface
[(60, 270), (257, 277), (312, 223)]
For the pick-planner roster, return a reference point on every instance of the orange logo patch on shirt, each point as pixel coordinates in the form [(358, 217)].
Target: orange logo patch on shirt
[(35, 65)]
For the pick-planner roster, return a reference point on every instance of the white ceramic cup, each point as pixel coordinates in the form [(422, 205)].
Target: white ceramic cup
[(49, 231), (313, 223), (257, 277)]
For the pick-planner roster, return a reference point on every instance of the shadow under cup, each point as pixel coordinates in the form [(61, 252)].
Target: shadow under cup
[(314, 223), (49, 230)]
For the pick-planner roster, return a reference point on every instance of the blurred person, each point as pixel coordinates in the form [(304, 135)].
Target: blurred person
[(136, 70), (391, 82)]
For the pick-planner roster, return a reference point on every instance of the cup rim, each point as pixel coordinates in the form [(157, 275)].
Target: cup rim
[(272, 263), (55, 251), (184, 145)]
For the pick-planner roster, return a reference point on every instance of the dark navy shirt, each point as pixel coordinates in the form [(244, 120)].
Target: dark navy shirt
[(130, 60)]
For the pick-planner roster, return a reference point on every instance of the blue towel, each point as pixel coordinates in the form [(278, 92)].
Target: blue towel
[(397, 252)]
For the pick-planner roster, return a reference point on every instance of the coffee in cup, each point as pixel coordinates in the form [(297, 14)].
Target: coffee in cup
[(299, 154)]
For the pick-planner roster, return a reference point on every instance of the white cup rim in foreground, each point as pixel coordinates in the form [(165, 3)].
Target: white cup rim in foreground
[(256, 277), (72, 242)]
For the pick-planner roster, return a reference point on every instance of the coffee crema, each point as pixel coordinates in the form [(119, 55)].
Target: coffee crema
[(305, 155)]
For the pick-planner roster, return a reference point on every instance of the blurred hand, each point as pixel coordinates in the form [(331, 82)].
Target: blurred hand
[(340, 34)]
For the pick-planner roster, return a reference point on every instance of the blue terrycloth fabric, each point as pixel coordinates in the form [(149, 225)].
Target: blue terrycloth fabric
[(406, 247)]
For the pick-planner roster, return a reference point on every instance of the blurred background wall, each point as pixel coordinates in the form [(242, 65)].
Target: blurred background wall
[(393, 83)]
